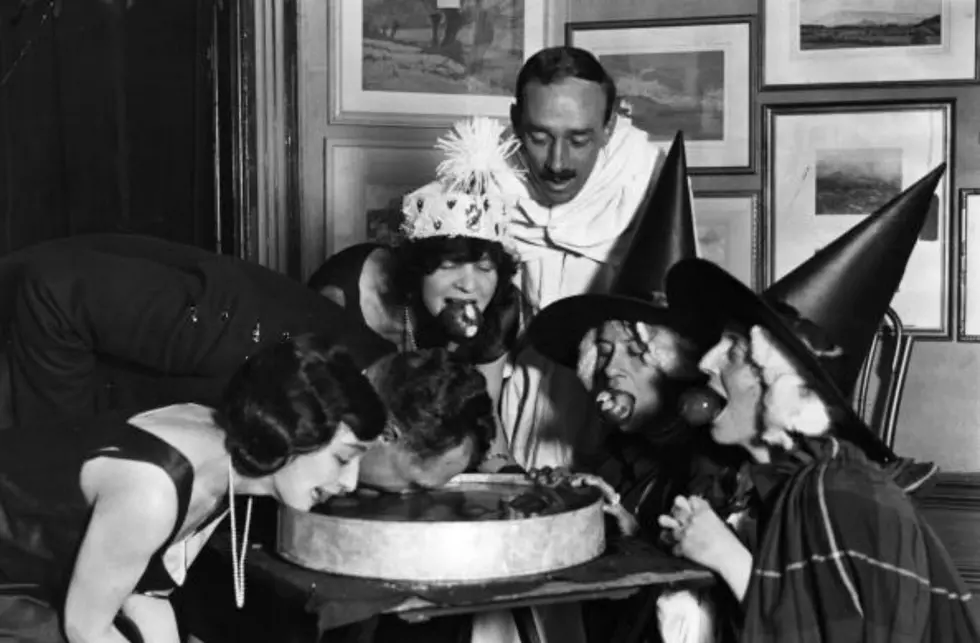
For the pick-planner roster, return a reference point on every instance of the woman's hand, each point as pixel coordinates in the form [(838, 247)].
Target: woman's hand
[(700, 535), (550, 476), (697, 532), (553, 477)]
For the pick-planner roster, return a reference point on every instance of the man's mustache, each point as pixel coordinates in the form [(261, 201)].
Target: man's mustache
[(558, 177)]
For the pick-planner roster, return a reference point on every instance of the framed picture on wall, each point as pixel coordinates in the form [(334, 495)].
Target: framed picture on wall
[(843, 42), (729, 230), (830, 166), (365, 181), (404, 62), (969, 317), (692, 75)]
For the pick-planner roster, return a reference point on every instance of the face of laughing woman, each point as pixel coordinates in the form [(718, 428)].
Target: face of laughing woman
[(629, 387), (451, 282)]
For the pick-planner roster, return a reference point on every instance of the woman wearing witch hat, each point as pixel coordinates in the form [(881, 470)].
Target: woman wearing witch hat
[(634, 355), (840, 553), (636, 358)]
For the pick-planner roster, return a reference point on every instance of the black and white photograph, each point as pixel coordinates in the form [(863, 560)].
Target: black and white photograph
[(729, 232), (828, 167), (859, 24), (412, 46), (836, 43), (694, 76), (429, 62), (668, 92), (489, 321), (856, 180), (969, 252)]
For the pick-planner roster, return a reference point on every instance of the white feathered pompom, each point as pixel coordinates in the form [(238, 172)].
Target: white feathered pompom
[(789, 404), (476, 151)]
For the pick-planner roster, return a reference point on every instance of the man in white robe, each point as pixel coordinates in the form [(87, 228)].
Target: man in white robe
[(586, 170)]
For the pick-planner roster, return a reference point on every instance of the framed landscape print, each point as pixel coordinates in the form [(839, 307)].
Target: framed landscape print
[(830, 166), (840, 42), (729, 230), (365, 180), (969, 254), (694, 75), (405, 62)]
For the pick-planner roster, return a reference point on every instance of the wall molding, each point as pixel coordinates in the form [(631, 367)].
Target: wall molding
[(952, 507), (264, 132), (960, 491)]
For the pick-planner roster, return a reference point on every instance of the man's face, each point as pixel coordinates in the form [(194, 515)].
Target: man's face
[(562, 130), (633, 362), (393, 468)]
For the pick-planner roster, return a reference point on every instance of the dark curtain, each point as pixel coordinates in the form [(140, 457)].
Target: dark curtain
[(106, 120)]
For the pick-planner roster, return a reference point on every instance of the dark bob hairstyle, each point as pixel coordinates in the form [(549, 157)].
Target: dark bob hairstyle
[(289, 398)]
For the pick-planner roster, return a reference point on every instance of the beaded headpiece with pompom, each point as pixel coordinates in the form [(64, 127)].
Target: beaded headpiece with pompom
[(468, 199)]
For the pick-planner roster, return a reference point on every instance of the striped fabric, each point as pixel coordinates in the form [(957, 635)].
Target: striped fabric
[(846, 556)]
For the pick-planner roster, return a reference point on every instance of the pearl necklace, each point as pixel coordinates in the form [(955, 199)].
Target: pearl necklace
[(410, 344), (238, 557)]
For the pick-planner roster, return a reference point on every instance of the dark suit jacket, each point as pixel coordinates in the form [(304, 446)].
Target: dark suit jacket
[(117, 321)]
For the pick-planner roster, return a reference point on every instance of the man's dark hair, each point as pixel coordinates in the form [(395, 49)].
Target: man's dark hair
[(555, 64), (437, 401)]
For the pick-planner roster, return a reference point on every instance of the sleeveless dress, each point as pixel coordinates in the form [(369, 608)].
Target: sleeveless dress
[(44, 516)]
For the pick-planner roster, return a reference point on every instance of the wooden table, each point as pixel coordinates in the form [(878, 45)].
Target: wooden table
[(279, 592)]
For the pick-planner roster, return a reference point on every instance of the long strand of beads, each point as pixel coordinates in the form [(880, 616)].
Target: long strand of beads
[(238, 556), (409, 332)]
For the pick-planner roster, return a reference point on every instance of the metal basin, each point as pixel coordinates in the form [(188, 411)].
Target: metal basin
[(473, 529)]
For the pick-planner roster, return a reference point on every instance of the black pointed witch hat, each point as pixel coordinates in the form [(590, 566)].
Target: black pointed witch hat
[(664, 235), (844, 290)]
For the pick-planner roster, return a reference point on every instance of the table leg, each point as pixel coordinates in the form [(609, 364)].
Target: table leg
[(527, 629), (644, 616)]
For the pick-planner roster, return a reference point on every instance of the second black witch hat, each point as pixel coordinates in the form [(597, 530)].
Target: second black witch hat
[(663, 236), (844, 290)]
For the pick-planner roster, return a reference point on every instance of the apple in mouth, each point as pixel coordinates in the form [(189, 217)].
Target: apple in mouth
[(461, 318), (319, 495), (615, 406), (701, 405)]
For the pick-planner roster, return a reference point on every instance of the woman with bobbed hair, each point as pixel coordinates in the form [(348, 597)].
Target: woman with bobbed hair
[(99, 523)]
